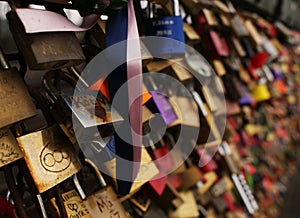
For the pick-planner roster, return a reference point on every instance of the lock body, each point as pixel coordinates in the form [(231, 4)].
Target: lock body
[(45, 51), (15, 102), (171, 28), (49, 157)]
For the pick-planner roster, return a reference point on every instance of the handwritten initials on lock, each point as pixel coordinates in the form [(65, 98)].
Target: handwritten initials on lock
[(105, 204), (54, 157), (7, 154)]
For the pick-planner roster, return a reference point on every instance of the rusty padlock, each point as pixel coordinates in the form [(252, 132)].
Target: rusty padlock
[(104, 202), (49, 156), (45, 51), (15, 101)]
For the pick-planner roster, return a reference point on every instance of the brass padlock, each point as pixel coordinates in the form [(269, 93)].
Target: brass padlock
[(49, 156), (186, 110), (72, 203), (45, 51), (188, 209), (103, 203), (15, 101)]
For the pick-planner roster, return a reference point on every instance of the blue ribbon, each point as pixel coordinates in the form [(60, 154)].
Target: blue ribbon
[(116, 31)]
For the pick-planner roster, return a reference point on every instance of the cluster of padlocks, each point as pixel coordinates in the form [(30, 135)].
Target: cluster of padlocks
[(219, 111)]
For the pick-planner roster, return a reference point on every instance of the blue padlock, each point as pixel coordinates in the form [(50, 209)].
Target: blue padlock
[(170, 30)]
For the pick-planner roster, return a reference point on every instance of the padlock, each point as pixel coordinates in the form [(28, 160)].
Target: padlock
[(192, 37), (190, 177), (72, 202), (104, 202), (188, 209), (219, 67), (49, 156), (238, 47), (219, 43), (160, 99), (9, 148), (186, 111), (181, 73), (221, 186), (171, 28), (238, 27), (254, 34), (45, 51), (16, 104), (210, 179)]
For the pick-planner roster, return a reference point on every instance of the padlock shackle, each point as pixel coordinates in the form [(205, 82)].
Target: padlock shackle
[(176, 7), (98, 175), (49, 86), (74, 71), (4, 63)]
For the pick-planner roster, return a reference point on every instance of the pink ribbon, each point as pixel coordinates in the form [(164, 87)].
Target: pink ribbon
[(134, 77), (37, 21)]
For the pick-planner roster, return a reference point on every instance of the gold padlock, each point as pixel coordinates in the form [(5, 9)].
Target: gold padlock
[(73, 204), (188, 208), (103, 203)]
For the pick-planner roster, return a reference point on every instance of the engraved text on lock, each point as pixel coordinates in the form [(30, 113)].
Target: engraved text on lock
[(54, 157)]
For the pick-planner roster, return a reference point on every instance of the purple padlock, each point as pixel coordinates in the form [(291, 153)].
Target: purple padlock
[(164, 107)]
